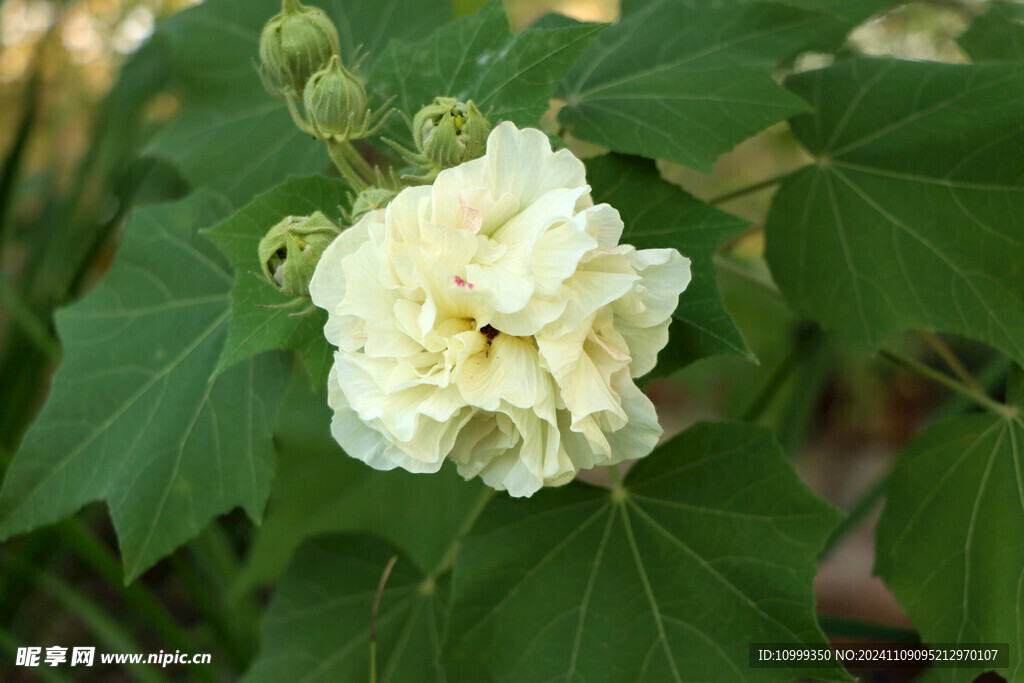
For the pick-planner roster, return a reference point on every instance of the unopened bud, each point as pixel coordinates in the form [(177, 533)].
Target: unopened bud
[(448, 132), (291, 249), (294, 45), (336, 102)]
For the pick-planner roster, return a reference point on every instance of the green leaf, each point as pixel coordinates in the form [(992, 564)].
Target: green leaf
[(254, 328), (912, 215), (319, 489), (998, 34), (712, 545), (950, 543), (318, 625), (658, 214), (233, 136), (133, 417), (686, 83), (509, 77)]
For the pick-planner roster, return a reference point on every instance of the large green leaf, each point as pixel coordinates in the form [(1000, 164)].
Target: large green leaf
[(233, 136), (318, 625), (320, 489), (511, 77), (950, 543), (133, 417), (686, 81), (998, 34), (711, 545), (658, 214), (913, 214), (254, 327)]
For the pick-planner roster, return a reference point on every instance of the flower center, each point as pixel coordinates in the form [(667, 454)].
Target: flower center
[(489, 332)]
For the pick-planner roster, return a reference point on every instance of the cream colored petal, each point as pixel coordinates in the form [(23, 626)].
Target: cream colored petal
[(508, 371), (556, 256), (664, 275)]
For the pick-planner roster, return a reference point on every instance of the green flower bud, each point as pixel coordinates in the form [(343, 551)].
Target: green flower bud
[(291, 249), (448, 132), (368, 200), (336, 102), (294, 45)]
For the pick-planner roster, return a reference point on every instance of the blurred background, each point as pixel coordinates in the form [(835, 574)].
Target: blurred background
[(70, 169)]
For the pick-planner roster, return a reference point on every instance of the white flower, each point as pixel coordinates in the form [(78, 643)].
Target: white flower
[(493, 319)]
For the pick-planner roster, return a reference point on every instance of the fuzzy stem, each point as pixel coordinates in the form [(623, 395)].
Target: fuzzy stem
[(950, 358), (340, 159), (749, 189)]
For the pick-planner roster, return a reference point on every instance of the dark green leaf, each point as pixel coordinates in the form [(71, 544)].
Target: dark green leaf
[(133, 417), (998, 34), (318, 626), (511, 77), (319, 489), (711, 546), (913, 215), (233, 136), (658, 214), (254, 327), (684, 82), (950, 544)]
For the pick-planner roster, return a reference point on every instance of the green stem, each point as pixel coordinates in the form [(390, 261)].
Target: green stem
[(614, 477), (80, 538), (110, 634), (210, 611), (781, 374), (749, 189), (373, 616), (946, 354), (10, 644), (448, 557), (950, 383), (34, 329), (864, 505), (339, 156), (852, 628), (359, 163)]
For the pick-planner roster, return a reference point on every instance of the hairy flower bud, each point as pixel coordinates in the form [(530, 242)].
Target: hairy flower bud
[(294, 45), (335, 102), (291, 249), (448, 132)]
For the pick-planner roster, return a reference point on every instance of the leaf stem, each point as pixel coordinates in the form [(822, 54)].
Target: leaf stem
[(864, 505), (448, 557), (339, 156), (945, 380), (614, 477), (81, 539), (361, 166), (749, 189), (29, 323), (946, 354), (780, 375), (373, 616)]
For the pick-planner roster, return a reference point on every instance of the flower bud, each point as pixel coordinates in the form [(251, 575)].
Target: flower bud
[(448, 132), (291, 249), (294, 45), (336, 102), (368, 200)]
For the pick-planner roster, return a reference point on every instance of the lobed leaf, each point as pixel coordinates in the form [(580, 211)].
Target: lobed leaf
[(686, 81), (254, 327), (711, 545), (317, 627), (911, 215), (133, 417), (509, 77), (950, 543)]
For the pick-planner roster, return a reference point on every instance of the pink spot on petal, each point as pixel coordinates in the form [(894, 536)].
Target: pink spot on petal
[(472, 218), (462, 283)]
